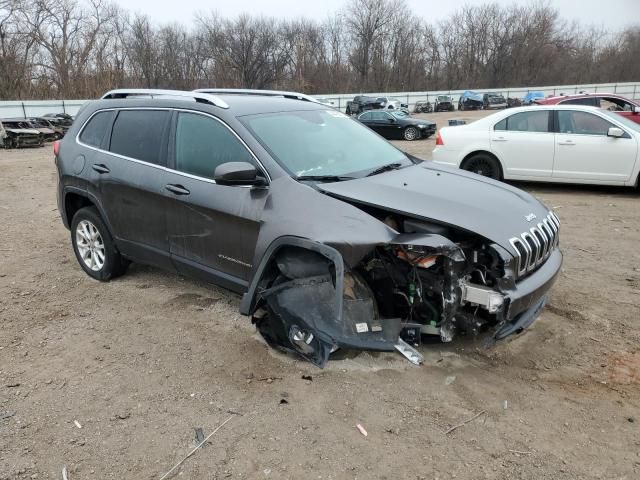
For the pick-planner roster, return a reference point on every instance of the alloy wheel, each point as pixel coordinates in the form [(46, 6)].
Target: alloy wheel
[(90, 245)]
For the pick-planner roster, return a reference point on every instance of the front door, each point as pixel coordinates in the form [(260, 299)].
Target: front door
[(524, 143), (212, 229), (585, 152)]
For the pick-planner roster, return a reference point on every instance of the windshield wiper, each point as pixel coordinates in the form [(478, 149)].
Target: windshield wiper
[(324, 178), (385, 168)]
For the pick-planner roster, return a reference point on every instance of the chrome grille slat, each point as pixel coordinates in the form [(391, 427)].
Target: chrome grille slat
[(535, 245)]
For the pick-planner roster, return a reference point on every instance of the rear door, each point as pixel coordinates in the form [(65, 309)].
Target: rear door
[(212, 229), (524, 142), (128, 174), (585, 152)]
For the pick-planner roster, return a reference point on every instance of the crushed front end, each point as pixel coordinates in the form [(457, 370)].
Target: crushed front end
[(428, 280)]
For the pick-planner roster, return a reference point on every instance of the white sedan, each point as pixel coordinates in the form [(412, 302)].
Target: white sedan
[(555, 143)]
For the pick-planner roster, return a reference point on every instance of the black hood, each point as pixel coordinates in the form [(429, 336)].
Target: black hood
[(448, 196)]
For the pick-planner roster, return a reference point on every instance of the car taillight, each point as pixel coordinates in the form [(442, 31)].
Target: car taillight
[(439, 139), (56, 147)]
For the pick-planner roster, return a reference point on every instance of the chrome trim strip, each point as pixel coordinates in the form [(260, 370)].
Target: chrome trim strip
[(534, 255), (545, 241), (161, 167), (196, 95)]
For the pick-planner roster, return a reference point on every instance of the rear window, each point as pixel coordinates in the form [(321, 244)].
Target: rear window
[(139, 134), (589, 101), (94, 131)]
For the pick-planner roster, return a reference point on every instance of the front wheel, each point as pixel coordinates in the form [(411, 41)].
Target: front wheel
[(94, 247), (484, 165), (411, 133)]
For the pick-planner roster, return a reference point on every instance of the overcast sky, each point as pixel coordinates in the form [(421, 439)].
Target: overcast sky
[(613, 14)]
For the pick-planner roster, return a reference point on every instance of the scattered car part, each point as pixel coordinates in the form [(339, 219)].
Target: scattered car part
[(409, 352)]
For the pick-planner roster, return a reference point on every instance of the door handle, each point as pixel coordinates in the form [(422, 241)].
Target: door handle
[(567, 142), (177, 189), (499, 139), (100, 168)]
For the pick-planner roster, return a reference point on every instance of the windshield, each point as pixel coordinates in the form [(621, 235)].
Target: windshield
[(443, 98), (623, 120), (321, 143)]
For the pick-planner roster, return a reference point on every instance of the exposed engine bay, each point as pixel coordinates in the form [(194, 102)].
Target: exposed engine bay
[(431, 280)]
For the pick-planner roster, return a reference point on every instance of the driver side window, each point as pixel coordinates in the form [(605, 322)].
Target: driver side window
[(582, 123), (615, 104), (203, 143)]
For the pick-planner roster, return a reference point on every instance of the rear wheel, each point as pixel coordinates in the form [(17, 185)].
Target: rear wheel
[(348, 111), (483, 164), (94, 247), (411, 133)]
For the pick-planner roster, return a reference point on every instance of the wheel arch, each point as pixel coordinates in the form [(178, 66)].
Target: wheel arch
[(471, 154), (74, 199), (250, 299)]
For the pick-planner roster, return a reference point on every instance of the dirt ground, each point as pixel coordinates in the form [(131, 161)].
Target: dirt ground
[(138, 363)]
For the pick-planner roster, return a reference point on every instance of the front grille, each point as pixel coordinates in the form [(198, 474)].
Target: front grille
[(535, 245)]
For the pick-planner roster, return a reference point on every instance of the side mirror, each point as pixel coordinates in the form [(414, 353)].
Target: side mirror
[(615, 132), (636, 109), (238, 173), (391, 120)]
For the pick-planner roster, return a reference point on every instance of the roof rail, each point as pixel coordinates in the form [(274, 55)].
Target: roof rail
[(201, 97), (265, 93)]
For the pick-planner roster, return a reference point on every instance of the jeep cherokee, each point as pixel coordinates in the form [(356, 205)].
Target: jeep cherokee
[(333, 236)]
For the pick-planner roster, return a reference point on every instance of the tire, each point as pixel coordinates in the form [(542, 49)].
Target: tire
[(411, 133), (483, 164), (348, 111), (94, 247)]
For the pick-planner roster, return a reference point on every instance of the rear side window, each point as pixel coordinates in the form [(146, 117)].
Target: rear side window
[(95, 130), (590, 101), (139, 134), (203, 143), (533, 121)]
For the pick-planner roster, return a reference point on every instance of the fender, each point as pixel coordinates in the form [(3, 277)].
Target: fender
[(250, 298)]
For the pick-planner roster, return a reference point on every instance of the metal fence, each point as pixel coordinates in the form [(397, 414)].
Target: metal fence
[(34, 108), (630, 90)]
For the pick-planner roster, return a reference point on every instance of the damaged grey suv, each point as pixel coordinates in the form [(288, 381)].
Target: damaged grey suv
[(333, 236)]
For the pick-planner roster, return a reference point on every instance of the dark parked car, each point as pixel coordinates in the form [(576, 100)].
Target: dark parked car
[(493, 101), (423, 106), (470, 101), (397, 125), (333, 236), (444, 103), (362, 103)]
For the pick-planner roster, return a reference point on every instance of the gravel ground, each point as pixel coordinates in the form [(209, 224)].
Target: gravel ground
[(138, 363)]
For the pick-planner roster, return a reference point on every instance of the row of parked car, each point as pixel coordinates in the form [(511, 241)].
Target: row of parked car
[(33, 131)]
